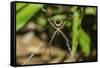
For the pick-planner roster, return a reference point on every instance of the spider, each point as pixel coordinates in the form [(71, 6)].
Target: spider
[(58, 25)]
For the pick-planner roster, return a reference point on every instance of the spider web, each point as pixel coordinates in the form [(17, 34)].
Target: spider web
[(57, 30)]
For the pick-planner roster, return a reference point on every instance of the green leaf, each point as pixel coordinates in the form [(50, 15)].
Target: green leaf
[(84, 42), (19, 5), (25, 15), (75, 31)]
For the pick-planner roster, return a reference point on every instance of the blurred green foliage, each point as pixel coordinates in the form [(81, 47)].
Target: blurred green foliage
[(90, 10), (41, 21), (84, 41), (24, 15)]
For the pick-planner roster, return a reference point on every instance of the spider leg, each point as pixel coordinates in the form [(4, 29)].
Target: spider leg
[(68, 45), (43, 10), (52, 37), (51, 23), (67, 40), (69, 18), (51, 40)]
